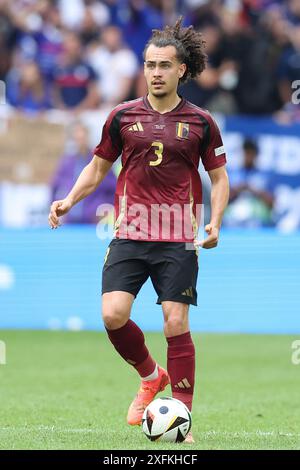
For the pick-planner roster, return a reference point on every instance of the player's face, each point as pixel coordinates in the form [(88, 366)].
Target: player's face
[(162, 70)]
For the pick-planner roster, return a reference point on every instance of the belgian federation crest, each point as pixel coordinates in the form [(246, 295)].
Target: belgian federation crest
[(182, 130)]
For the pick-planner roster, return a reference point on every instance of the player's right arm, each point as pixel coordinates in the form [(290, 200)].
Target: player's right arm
[(88, 180)]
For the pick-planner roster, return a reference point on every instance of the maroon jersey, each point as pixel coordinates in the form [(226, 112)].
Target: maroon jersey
[(159, 191)]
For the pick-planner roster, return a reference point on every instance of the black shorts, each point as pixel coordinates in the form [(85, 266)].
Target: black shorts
[(172, 268)]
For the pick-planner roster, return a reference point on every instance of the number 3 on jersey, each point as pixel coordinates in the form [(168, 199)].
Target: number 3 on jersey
[(158, 152)]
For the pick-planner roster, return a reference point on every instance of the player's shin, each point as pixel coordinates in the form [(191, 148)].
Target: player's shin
[(129, 342), (181, 367)]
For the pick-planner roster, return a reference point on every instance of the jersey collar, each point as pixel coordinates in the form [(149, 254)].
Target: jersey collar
[(174, 110)]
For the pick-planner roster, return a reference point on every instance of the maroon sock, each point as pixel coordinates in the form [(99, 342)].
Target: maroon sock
[(129, 341), (181, 367)]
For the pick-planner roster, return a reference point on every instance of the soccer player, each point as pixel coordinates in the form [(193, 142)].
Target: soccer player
[(161, 137)]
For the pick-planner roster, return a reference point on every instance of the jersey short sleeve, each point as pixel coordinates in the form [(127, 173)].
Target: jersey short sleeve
[(213, 154), (110, 145)]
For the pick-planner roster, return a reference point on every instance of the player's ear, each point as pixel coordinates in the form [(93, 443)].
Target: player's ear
[(182, 70)]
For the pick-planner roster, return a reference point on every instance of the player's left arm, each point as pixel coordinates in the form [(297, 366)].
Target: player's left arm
[(219, 201)]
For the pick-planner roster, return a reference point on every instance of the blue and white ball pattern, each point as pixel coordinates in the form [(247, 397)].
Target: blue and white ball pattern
[(166, 420)]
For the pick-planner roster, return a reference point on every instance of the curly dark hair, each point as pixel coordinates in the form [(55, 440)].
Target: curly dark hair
[(189, 46)]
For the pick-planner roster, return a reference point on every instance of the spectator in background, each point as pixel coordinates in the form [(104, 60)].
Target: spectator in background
[(96, 17), (201, 12), (251, 192), (228, 45), (236, 49), (70, 166), (207, 90), (115, 64), (81, 14), (27, 91), (293, 11), (48, 38), (74, 80), (39, 34), (244, 42), (257, 91), (136, 18)]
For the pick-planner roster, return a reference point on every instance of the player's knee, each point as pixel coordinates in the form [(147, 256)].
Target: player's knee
[(113, 319), (112, 322), (175, 325)]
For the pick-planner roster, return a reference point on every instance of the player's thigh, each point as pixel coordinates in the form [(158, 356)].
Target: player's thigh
[(124, 273), (125, 268)]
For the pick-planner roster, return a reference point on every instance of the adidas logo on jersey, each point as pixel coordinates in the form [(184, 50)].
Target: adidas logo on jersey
[(136, 127)]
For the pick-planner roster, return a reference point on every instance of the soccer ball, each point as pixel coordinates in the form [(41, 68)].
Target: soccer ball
[(166, 420)]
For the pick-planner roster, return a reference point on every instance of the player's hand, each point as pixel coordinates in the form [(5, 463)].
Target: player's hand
[(58, 208), (213, 237)]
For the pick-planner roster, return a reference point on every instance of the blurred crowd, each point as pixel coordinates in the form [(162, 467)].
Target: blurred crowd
[(81, 54), (79, 57)]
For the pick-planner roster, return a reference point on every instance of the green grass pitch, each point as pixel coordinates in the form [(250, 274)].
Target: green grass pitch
[(67, 390)]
